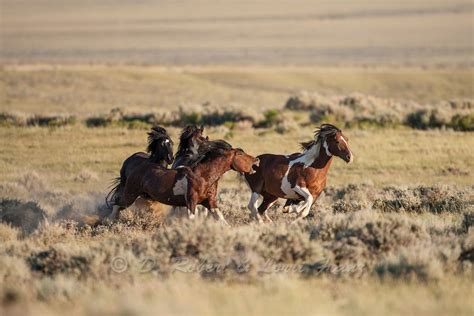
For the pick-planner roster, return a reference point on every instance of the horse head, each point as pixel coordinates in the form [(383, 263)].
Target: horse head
[(160, 146), (334, 142), (243, 162)]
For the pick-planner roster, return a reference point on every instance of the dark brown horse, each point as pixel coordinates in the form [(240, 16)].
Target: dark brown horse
[(297, 177), (188, 186), (159, 151)]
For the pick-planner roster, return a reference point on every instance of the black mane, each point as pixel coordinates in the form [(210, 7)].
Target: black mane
[(155, 137), (186, 151), (209, 150), (321, 133)]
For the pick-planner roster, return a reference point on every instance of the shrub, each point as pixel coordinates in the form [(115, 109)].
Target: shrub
[(27, 216), (51, 121), (463, 122), (271, 119), (51, 262)]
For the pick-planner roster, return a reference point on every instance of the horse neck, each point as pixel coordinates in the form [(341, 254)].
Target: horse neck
[(315, 157), (323, 160), (155, 158), (213, 169)]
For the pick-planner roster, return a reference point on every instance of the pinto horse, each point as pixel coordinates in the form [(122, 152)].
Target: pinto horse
[(298, 177), (188, 186), (159, 151)]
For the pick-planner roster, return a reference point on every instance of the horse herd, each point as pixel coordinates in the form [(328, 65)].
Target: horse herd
[(199, 163)]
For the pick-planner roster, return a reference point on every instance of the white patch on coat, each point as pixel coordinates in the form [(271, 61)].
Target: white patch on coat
[(306, 158), (181, 187), (326, 147)]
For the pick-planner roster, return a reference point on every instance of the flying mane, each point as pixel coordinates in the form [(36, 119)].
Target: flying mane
[(209, 150), (155, 137), (320, 134)]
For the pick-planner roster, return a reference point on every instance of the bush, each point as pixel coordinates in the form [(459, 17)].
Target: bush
[(463, 122), (52, 262), (271, 119), (51, 121)]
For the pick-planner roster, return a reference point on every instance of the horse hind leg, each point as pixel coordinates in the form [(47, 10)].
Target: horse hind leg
[(268, 201)]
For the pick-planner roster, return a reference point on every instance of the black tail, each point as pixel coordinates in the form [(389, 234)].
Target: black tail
[(112, 196)]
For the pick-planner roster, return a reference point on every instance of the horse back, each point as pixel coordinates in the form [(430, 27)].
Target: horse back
[(132, 162)]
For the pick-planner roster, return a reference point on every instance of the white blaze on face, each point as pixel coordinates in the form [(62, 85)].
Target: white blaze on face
[(181, 187), (347, 145)]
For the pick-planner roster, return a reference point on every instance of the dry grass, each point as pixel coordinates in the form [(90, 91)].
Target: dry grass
[(82, 159), (90, 90), (368, 247), (364, 261)]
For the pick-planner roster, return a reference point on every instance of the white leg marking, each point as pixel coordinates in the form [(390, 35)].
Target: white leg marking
[(304, 209), (218, 215), (253, 205), (204, 212), (266, 214), (191, 214)]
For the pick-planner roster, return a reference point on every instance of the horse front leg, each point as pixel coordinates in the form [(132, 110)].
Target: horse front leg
[(304, 209), (253, 207), (212, 202), (194, 195)]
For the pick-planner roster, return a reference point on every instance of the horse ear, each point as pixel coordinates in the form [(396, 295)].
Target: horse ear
[(202, 128)]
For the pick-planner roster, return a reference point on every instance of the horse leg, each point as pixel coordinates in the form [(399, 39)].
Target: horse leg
[(268, 201), (127, 198), (304, 209), (212, 206), (253, 206), (115, 211), (191, 201)]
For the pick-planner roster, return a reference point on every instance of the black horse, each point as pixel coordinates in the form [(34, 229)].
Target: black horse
[(159, 151)]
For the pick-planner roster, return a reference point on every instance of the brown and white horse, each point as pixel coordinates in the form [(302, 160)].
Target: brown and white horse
[(298, 176), (188, 186)]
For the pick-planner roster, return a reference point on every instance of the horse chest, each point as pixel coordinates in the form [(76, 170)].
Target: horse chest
[(301, 178)]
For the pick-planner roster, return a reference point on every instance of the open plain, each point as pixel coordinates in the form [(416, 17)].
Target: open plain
[(81, 83)]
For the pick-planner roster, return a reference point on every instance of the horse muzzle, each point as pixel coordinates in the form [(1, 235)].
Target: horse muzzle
[(349, 158), (255, 164)]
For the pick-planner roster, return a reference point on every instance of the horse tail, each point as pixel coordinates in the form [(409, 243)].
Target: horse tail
[(112, 196)]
